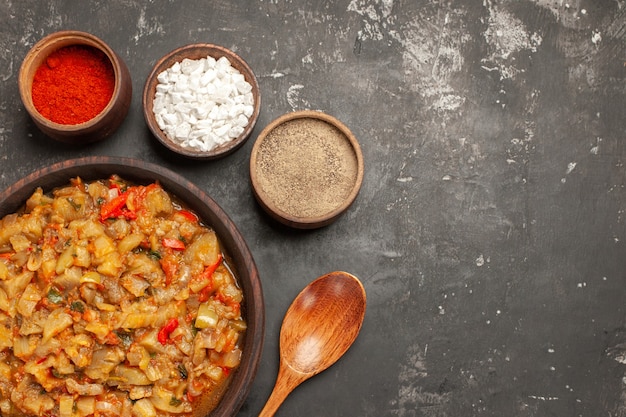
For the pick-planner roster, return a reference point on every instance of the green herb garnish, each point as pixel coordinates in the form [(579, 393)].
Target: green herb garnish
[(125, 337), (74, 204), (182, 371), (54, 296), (77, 306)]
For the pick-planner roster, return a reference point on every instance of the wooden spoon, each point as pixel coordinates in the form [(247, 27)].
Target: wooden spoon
[(320, 325)]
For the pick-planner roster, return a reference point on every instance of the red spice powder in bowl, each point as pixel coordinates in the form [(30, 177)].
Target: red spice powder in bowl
[(75, 87)]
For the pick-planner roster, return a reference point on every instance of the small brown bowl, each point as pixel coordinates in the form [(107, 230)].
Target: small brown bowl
[(233, 243), (196, 52), (306, 169), (100, 126)]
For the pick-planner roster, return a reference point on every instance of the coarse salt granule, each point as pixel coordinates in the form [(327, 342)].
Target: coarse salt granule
[(202, 103)]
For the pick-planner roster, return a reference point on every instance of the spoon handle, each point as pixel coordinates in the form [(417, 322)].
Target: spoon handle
[(286, 381)]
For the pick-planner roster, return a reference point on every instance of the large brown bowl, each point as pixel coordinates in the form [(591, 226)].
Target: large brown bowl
[(102, 125), (194, 52), (253, 310)]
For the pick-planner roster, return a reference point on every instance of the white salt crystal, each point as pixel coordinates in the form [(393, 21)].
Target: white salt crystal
[(170, 118), (223, 130), (163, 88), (203, 103), (182, 130), (163, 77), (223, 64), (235, 131), (159, 119), (158, 103), (205, 125), (213, 113), (235, 110), (248, 99), (248, 110), (241, 121), (191, 66), (207, 77), (172, 78), (237, 78), (222, 113), (174, 69), (182, 85), (243, 87)]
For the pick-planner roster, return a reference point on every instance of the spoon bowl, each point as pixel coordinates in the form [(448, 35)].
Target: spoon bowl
[(319, 327)]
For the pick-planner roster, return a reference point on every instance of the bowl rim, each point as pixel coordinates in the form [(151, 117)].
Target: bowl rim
[(197, 51), (51, 43), (268, 205), (95, 167)]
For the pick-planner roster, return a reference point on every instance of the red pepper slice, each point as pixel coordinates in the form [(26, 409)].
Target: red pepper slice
[(208, 271), (188, 215), (166, 330), (170, 267), (172, 243), (113, 206), (208, 274)]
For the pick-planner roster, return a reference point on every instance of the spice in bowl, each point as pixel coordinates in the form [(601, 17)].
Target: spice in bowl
[(306, 169), (73, 85), (203, 103), (75, 88)]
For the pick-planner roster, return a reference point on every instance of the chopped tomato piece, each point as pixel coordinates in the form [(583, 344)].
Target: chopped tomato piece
[(172, 243), (164, 334), (188, 215), (208, 275), (208, 271), (113, 206), (170, 267)]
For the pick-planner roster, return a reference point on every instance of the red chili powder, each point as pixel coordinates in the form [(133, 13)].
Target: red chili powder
[(73, 84)]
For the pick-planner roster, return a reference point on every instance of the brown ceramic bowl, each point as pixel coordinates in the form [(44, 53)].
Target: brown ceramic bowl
[(195, 52), (253, 309), (306, 169), (100, 126)]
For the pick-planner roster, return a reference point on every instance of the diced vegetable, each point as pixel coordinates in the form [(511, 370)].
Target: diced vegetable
[(57, 321), (144, 408), (17, 284), (165, 400), (187, 215), (92, 277), (66, 405), (172, 243), (113, 207), (28, 301), (207, 317), (4, 271), (4, 301), (85, 406), (166, 330), (130, 242)]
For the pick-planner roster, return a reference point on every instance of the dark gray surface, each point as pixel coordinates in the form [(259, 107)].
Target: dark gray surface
[(489, 232)]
